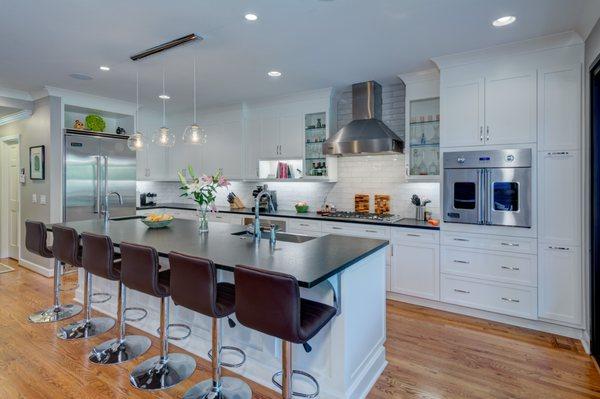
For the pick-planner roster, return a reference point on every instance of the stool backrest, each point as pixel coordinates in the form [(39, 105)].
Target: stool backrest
[(36, 237), (194, 283), (98, 256), (268, 302), (139, 269), (65, 245)]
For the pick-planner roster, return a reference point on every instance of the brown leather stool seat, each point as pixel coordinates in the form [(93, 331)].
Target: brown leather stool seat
[(99, 259), (36, 237), (67, 249), (289, 317), (194, 286), (140, 271)]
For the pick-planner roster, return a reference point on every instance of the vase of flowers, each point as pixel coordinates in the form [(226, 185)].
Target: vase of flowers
[(203, 190)]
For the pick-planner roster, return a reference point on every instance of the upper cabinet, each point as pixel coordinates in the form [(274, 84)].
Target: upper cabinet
[(489, 110), (281, 136), (559, 118)]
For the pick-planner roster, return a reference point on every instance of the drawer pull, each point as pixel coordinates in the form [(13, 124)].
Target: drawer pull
[(336, 228), (466, 262), (510, 300), (371, 231), (559, 248), (413, 235), (461, 239), (304, 224), (509, 244), (462, 291), (510, 268), (558, 153)]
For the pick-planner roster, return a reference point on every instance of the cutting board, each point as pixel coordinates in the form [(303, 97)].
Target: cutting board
[(361, 203), (382, 203)]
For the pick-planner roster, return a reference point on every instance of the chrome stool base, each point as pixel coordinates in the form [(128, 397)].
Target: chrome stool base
[(231, 388), (115, 352), (298, 394), (154, 374), (54, 314), (85, 329)]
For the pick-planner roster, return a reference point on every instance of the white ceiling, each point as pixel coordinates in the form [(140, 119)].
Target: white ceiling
[(315, 43)]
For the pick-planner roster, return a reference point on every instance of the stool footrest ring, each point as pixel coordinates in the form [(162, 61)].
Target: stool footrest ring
[(231, 348), (70, 287), (134, 319), (174, 338), (107, 297), (299, 394)]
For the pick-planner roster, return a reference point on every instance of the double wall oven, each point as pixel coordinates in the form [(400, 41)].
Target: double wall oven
[(488, 187)]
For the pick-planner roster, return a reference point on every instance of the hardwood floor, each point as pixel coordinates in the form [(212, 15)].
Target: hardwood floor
[(431, 354)]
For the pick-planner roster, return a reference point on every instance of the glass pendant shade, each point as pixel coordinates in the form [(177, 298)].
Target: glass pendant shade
[(194, 135), (163, 137), (135, 142)]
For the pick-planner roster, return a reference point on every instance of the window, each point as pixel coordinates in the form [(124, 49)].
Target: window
[(465, 195), (506, 196)]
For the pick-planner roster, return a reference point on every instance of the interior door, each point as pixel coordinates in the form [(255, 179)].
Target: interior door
[(462, 110), (509, 197), (463, 196), (81, 177), (119, 175), (13, 201)]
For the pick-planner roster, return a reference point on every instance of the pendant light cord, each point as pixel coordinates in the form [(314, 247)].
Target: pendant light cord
[(164, 101), (194, 90), (137, 100)]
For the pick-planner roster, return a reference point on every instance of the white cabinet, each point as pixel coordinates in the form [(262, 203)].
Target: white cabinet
[(152, 162), (269, 136), (510, 108), (415, 270), (462, 113), (252, 148), (559, 197), (281, 136), (223, 149), (488, 111), (560, 288), (559, 108)]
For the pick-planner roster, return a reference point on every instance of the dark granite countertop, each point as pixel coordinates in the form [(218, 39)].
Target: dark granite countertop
[(310, 262), (405, 222)]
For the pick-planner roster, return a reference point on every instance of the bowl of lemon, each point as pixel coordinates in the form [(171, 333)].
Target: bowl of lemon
[(158, 221)]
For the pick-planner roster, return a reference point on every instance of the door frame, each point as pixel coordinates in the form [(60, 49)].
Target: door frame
[(4, 142)]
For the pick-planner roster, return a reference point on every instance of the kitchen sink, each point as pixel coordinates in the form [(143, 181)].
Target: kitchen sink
[(286, 237)]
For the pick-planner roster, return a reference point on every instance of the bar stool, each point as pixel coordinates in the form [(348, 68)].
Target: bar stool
[(270, 302), (36, 236), (66, 248), (140, 271), (100, 260), (194, 286)]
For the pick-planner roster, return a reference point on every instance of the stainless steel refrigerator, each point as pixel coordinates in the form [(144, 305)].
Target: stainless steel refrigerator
[(95, 165)]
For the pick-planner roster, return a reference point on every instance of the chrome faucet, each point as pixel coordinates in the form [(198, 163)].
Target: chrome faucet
[(106, 212), (270, 208)]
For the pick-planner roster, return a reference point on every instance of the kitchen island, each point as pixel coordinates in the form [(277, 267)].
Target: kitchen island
[(347, 272)]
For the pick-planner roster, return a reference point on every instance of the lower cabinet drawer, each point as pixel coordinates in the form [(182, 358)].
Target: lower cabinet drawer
[(494, 297), (490, 242), (357, 230), (304, 225), (497, 266)]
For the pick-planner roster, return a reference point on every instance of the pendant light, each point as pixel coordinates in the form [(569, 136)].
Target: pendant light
[(136, 141), (194, 134), (163, 136)]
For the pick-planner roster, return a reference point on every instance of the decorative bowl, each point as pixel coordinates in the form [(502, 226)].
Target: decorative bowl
[(157, 225), (301, 208)]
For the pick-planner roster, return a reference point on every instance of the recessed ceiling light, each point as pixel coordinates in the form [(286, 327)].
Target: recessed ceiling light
[(164, 97), (274, 74), (104, 68), (251, 17), (80, 76), (503, 21)]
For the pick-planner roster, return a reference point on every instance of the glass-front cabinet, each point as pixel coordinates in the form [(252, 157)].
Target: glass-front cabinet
[(315, 134), (422, 129)]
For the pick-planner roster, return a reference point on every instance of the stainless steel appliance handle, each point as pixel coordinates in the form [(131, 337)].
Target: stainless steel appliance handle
[(97, 177), (481, 194), (489, 201), (105, 182)]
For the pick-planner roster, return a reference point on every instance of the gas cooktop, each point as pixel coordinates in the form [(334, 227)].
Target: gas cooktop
[(384, 217)]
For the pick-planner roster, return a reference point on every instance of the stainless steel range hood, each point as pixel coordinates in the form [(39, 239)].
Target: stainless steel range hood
[(366, 134)]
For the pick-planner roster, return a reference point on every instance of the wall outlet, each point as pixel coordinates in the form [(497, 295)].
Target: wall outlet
[(34, 198), (42, 199)]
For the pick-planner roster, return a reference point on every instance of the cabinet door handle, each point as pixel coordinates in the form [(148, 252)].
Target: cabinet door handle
[(487, 132), (336, 228), (461, 239), (304, 224), (509, 244), (392, 252), (413, 235), (555, 153), (480, 133), (466, 262), (559, 248), (510, 300), (510, 268), (370, 231), (462, 291)]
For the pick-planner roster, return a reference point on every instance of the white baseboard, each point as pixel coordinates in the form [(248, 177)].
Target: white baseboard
[(566, 331), (44, 271), (585, 341)]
